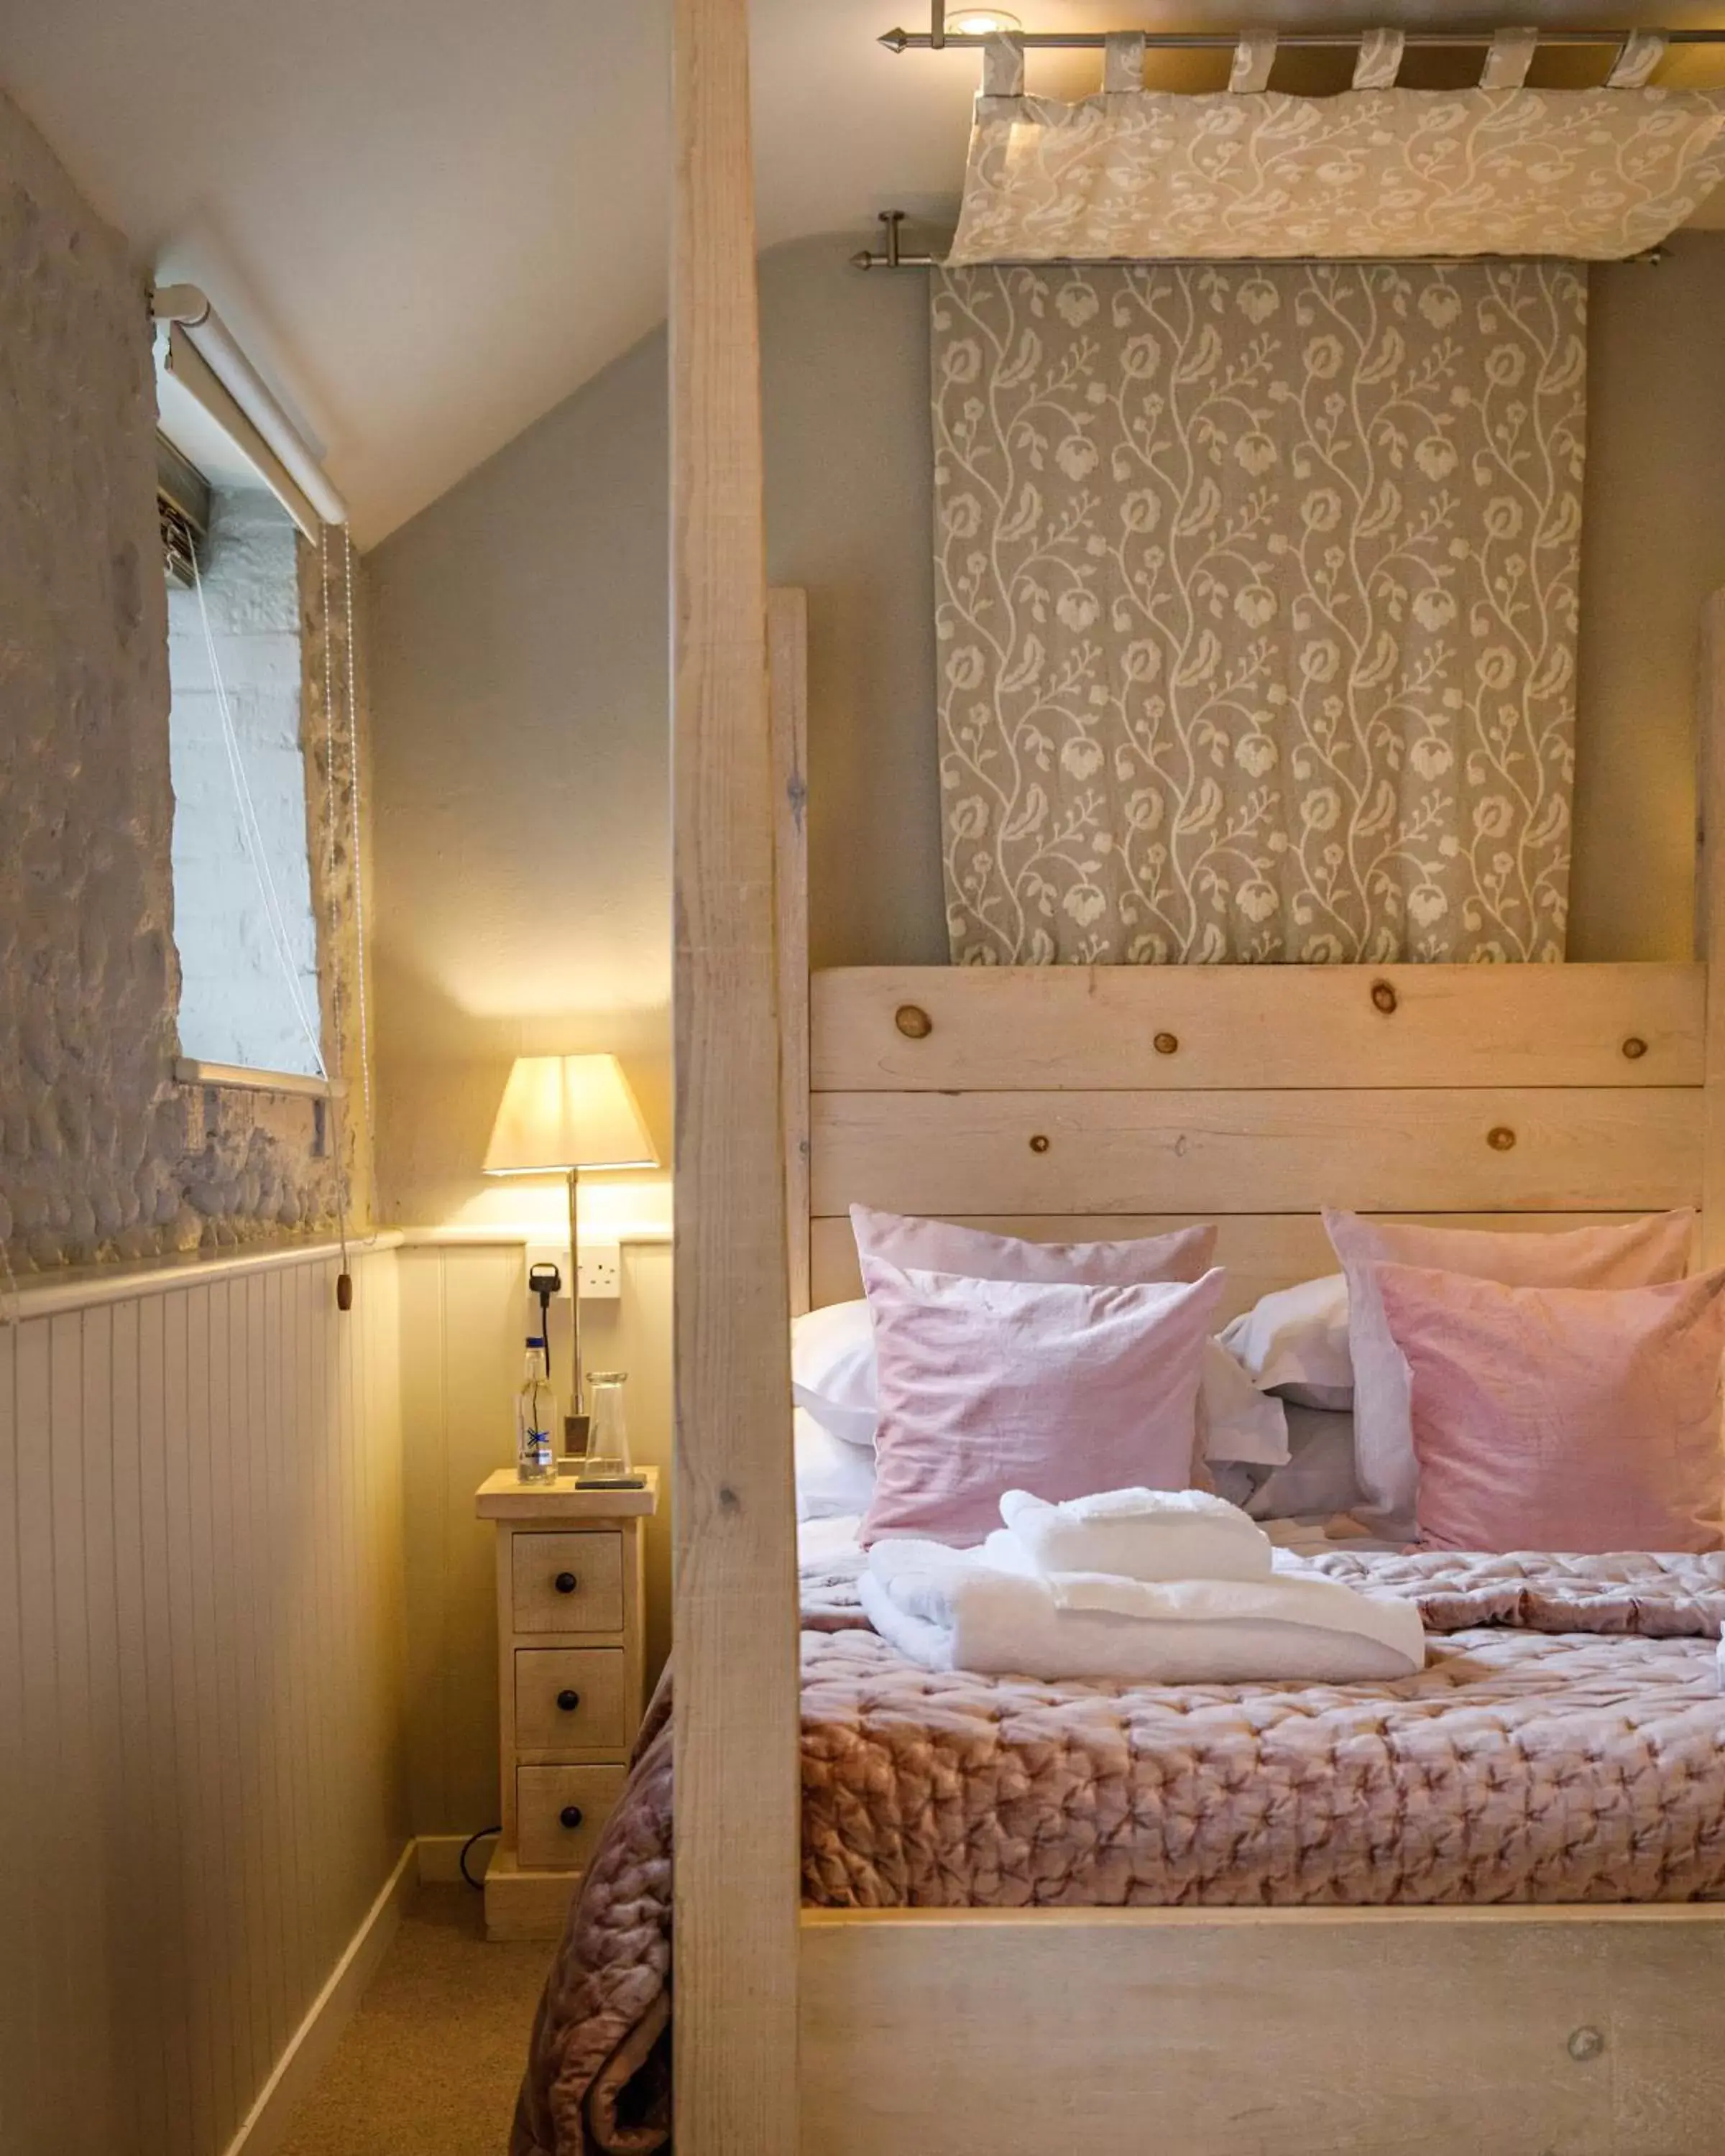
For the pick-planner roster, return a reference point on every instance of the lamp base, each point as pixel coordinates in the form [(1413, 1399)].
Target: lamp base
[(577, 1430)]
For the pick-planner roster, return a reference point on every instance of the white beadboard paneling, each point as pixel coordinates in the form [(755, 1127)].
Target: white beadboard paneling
[(202, 1675)]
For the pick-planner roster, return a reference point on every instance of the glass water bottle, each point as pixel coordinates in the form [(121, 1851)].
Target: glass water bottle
[(608, 1443), (536, 1419)]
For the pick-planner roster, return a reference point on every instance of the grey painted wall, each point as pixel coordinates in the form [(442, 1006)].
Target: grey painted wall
[(1652, 547)]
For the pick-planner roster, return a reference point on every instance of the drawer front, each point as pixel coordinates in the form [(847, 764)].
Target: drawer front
[(559, 1812), (569, 1699), (568, 1582)]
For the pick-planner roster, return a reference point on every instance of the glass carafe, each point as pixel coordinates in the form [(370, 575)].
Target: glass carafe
[(607, 1442)]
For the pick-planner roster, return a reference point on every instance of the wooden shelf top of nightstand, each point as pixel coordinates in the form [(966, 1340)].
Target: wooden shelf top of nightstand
[(501, 1497)]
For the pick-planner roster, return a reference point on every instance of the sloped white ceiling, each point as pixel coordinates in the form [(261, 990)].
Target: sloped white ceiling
[(431, 220)]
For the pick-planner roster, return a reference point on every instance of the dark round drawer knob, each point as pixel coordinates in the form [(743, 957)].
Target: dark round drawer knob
[(568, 1700), (1038, 1143), (566, 1583), (1635, 1048), (1501, 1138), (1384, 997), (913, 1022), (571, 1816)]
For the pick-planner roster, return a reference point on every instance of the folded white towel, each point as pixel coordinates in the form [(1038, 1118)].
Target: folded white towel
[(1139, 1534), (950, 1609)]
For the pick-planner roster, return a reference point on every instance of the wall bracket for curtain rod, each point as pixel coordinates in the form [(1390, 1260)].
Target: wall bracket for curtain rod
[(892, 256), (939, 39)]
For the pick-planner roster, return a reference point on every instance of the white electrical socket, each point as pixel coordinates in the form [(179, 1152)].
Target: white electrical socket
[(552, 1254), (601, 1272)]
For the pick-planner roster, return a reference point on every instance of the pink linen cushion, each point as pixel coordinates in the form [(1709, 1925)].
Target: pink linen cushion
[(1050, 1386), (1638, 1255), (1562, 1418), (943, 1246), (1234, 1421)]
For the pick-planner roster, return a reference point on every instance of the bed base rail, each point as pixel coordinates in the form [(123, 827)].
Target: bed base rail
[(1576, 2031)]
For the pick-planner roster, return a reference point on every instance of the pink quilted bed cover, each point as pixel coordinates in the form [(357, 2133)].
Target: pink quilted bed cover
[(1564, 1742)]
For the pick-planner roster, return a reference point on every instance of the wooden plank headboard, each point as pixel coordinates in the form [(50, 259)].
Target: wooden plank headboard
[(1062, 1102)]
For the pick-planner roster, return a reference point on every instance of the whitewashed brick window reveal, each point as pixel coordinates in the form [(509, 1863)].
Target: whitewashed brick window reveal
[(1256, 609), (237, 1004)]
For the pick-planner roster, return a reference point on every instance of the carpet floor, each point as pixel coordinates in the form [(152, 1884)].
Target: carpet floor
[(430, 2064)]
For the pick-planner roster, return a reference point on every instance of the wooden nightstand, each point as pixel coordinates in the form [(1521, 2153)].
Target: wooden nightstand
[(569, 1684)]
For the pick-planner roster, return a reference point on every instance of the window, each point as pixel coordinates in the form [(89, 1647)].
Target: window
[(243, 907)]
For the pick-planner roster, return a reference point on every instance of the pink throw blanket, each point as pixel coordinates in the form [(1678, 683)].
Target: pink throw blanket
[(1565, 1742)]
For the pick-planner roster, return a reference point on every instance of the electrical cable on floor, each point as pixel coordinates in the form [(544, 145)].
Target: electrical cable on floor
[(477, 1885)]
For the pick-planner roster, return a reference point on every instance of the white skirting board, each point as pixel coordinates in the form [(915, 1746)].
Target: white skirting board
[(310, 2047)]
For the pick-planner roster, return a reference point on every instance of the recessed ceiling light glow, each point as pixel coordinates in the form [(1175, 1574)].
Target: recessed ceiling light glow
[(980, 21)]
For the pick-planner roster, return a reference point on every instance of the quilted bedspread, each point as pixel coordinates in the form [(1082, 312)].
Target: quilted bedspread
[(1564, 1742)]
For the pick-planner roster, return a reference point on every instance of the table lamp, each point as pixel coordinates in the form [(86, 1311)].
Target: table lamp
[(560, 1114)]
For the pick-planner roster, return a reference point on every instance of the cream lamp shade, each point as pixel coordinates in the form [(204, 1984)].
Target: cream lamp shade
[(567, 1112)]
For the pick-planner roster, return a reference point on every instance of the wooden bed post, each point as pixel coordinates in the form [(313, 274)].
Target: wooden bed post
[(738, 1849), (1710, 913), (787, 656)]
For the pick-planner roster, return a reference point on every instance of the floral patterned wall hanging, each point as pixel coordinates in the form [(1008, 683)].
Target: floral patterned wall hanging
[(1256, 602), (1375, 171)]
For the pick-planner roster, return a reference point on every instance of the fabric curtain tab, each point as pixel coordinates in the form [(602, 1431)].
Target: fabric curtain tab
[(1003, 65), (1640, 52), (1254, 57), (1123, 62), (1509, 57), (1379, 61)]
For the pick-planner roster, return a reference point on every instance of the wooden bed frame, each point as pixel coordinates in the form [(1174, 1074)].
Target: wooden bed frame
[(1058, 1102)]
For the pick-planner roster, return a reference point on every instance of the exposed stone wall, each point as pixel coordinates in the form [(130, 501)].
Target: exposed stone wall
[(102, 1154)]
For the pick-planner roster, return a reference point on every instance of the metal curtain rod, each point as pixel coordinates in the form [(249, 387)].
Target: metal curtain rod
[(938, 39), (893, 256)]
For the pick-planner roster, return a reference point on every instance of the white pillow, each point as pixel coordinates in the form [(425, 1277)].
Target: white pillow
[(1235, 1421), (833, 1479), (1318, 1481), (1294, 1343), (832, 1380), (832, 1369)]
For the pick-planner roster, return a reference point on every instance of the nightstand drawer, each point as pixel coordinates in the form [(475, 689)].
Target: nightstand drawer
[(568, 1582), (570, 1699), (559, 1812)]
